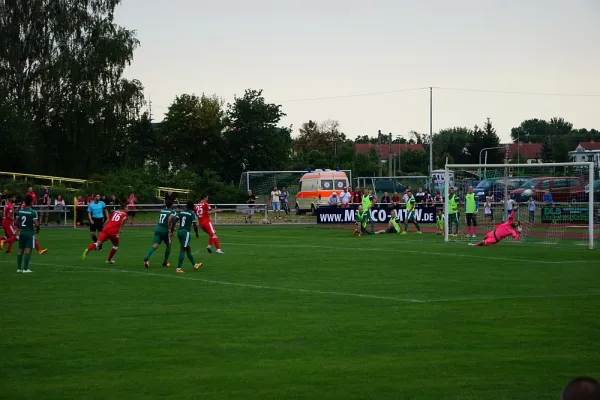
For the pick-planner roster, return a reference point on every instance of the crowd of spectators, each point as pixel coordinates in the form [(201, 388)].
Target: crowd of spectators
[(349, 197)]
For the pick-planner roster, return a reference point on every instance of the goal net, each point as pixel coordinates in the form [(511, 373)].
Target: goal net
[(554, 202), (393, 184), (262, 182)]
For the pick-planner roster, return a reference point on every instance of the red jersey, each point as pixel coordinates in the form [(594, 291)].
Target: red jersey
[(8, 214), (33, 197), (131, 202), (115, 220), (201, 211)]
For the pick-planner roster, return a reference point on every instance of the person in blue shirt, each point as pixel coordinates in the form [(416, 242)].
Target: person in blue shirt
[(547, 198), (97, 214)]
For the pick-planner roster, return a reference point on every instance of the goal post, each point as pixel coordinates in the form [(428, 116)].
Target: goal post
[(556, 202)]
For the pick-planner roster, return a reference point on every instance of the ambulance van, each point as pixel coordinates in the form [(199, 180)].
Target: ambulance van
[(316, 186)]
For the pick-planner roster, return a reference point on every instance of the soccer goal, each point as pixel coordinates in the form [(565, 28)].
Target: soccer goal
[(556, 203)]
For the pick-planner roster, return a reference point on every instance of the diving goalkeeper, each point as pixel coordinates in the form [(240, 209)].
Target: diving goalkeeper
[(502, 231)]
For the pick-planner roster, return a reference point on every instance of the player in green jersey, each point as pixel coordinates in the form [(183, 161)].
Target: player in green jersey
[(393, 225), (187, 219), (361, 217), (163, 234), (453, 203), (27, 220), (411, 206)]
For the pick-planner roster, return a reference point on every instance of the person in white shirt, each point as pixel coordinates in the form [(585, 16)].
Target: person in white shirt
[(487, 206), (531, 209), (333, 200), (275, 203), (510, 203), (59, 208), (345, 198)]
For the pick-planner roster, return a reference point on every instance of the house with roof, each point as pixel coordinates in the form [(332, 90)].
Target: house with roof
[(530, 153), (386, 149), (586, 152)]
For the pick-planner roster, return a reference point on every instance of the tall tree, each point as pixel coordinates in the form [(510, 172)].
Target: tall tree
[(324, 137), (61, 67), (191, 134), (139, 143), (254, 139), (531, 130)]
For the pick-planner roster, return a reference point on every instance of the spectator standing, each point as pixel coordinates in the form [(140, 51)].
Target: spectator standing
[(333, 200), (385, 200), (547, 199), (4, 197), (490, 200), (395, 200), (438, 199), (419, 196), (427, 199), (131, 207), (34, 199), (112, 202), (80, 210), (531, 209), (45, 203), (59, 208), (250, 201), (487, 207), (357, 196), (275, 203), (170, 197), (345, 198), (90, 198), (285, 199)]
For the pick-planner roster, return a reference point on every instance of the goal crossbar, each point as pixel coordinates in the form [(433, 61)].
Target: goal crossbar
[(591, 174)]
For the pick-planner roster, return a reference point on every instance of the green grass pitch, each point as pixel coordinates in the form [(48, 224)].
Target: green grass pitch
[(299, 313)]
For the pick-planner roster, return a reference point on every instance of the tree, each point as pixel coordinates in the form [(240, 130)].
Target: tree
[(486, 138), (453, 141), (324, 137), (546, 152), (191, 134), (253, 138), (139, 144), (414, 161), (61, 66), (531, 130)]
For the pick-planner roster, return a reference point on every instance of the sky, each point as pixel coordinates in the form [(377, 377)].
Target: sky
[(358, 62)]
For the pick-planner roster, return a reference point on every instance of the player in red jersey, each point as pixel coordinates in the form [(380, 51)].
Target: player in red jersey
[(203, 211), (111, 231), (39, 250), (8, 224)]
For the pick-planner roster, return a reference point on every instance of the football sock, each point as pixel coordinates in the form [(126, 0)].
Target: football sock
[(150, 252), (167, 254), (112, 253), (91, 247), (94, 238), (191, 257), (19, 261), (181, 257), (27, 258), (405, 226), (10, 242), (468, 230), (479, 244), (210, 241), (37, 246), (474, 230), (418, 227), (216, 243)]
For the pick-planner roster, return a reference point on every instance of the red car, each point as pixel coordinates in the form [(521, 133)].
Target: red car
[(564, 188)]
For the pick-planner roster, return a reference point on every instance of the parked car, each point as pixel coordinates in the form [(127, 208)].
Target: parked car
[(562, 189), (596, 191), (496, 185)]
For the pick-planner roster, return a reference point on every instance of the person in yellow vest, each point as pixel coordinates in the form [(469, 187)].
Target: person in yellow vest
[(453, 204), (411, 205), (471, 208), (439, 222), (367, 201), (361, 219), (393, 225)]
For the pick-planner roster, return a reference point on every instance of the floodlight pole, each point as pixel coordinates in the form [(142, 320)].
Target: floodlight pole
[(430, 132)]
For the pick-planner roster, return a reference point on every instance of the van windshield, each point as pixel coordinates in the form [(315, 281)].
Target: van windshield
[(530, 183)]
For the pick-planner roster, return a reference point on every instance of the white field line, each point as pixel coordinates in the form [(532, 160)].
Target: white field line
[(309, 291)]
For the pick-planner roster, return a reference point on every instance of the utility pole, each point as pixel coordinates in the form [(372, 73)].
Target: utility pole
[(430, 131), (379, 154), (149, 108), (390, 155)]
